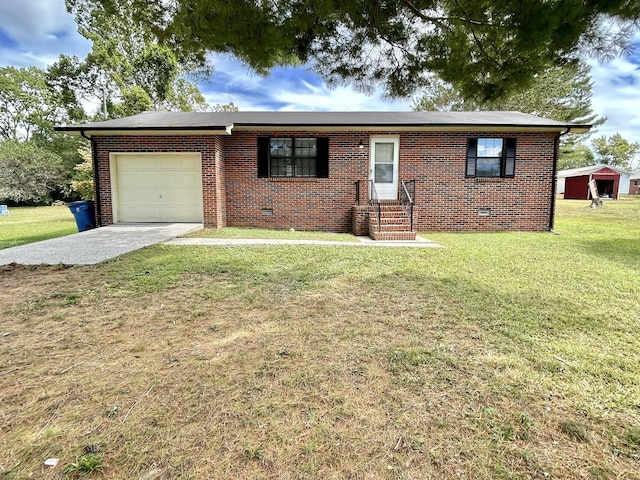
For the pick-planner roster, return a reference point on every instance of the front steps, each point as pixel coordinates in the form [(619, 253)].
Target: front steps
[(394, 224)]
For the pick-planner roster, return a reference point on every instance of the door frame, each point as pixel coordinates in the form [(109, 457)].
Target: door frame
[(385, 193)]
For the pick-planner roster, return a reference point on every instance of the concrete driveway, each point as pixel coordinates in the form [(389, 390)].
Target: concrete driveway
[(95, 246)]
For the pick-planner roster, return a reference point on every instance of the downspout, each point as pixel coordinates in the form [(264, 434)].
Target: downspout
[(96, 177), (554, 180)]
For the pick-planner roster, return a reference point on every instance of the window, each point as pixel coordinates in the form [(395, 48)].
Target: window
[(491, 157), (293, 157)]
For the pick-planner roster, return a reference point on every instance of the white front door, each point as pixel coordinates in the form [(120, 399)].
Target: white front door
[(384, 166)]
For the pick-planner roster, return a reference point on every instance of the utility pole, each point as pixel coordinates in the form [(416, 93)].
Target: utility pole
[(104, 103)]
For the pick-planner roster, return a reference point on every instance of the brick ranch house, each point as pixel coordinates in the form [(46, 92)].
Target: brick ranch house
[(386, 174)]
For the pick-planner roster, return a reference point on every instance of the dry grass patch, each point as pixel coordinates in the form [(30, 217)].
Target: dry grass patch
[(482, 360)]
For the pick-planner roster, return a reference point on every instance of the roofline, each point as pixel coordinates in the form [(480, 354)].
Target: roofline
[(227, 129), (145, 131)]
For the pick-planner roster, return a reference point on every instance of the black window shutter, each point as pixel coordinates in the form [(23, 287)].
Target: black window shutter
[(472, 153), (510, 157), (322, 160), (263, 157)]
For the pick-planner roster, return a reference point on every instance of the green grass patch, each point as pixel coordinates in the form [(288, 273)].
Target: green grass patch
[(259, 233), (504, 355), (32, 224)]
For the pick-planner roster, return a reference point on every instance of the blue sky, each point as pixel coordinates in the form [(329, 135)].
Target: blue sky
[(35, 32)]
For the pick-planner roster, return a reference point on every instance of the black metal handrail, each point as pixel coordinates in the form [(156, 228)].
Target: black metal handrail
[(407, 198), (375, 201), (358, 192)]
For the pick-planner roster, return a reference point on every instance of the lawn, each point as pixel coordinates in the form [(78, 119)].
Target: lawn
[(501, 356), (234, 232), (32, 224)]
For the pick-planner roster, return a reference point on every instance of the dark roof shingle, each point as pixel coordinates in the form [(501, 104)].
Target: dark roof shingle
[(229, 120)]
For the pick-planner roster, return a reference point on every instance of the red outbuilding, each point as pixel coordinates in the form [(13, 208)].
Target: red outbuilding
[(574, 183)]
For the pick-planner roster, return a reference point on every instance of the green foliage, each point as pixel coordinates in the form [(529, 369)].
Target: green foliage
[(85, 464), (227, 107), (562, 92), (576, 430), (82, 181), (128, 70), (28, 172), (633, 436), (30, 106), (135, 100), (485, 48), (27, 106), (616, 151), (574, 155)]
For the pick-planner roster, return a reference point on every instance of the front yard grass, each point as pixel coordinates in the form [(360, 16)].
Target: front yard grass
[(502, 356), (32, 224), (234, 232)]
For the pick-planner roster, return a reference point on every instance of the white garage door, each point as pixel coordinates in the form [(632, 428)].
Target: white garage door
[(158, 187)]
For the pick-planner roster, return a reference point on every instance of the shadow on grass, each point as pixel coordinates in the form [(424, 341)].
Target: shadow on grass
[(625, 251)]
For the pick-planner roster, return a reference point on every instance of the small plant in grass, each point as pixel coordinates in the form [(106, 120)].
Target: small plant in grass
[(112, 412), (633, 437), (407, 359), (85, 464), (254, 454), (576, 430)]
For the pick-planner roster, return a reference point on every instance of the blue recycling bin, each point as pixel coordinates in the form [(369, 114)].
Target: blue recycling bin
[(83, 213)]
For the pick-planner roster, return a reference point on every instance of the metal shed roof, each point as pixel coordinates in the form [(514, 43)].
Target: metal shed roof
[(580, 171)]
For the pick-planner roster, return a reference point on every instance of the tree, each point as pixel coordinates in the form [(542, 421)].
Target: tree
[(27, 106), (127, 69), (616, 151), (485, 48), (28, 172), (574, 154), (29, 109), (562, 92), (82, 181)]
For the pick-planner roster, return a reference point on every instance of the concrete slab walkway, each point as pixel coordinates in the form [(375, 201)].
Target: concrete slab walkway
[(95, 246)]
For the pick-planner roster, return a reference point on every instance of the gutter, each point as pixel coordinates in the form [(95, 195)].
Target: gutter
[(554, 180), (96, 177)]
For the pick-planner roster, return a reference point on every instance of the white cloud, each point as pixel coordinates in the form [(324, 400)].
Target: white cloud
[(28, 21), (286, 89), (37, 31), (616, 95)]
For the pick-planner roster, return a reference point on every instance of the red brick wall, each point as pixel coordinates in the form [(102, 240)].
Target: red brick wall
[(212, 168), (445, 199), (301, 203), (448, 201)]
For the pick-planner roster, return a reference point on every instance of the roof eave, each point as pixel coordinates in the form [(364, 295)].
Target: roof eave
[(245, 126), (145, 131), (415, 127)]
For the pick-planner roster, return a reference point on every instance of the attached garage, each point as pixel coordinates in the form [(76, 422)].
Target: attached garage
[(156, 187)]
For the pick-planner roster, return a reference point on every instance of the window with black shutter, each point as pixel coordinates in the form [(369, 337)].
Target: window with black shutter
[(303, 157), (491, 157)]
